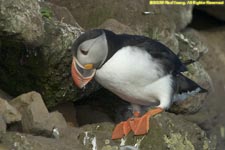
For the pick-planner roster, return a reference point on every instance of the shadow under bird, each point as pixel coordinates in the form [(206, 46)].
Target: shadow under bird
[(138, 69)]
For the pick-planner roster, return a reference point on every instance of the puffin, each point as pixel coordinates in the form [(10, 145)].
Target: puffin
[(138, 69)]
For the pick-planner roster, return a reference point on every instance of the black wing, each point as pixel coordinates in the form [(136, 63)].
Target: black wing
[(164, 56), (184, 84)]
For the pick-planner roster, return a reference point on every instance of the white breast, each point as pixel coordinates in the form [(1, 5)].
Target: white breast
[(128, 73)]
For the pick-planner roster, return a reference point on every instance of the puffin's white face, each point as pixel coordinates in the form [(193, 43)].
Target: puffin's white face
[(93, 51), (88, 56)]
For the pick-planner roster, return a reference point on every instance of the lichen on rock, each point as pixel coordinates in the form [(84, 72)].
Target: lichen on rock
[(167, 131), (191, 47), (177, 141), (22, 20)]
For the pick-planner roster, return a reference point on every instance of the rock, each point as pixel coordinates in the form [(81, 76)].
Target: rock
[(69, 113), (167, 131), (44, 68), (192, 47), (35, 116), (116, 27), (22, 19), (2, 125), (31, 99), (211, 117), (34, 120), (4, 147), (4, 95), (128, 12), (8, 112), (160, 24), (34, 113), (19, 141), (57, 120), (61, 14)]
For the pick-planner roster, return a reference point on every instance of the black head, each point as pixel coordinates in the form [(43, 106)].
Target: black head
[(90, 51)]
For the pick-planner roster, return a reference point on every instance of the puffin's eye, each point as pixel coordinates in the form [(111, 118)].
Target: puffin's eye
[(83, 52)]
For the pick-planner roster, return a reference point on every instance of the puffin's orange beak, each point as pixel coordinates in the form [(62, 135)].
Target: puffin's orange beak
[(81, 74)]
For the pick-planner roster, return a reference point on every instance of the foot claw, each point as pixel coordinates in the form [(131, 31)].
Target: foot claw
[(140, 125), (121, 129)]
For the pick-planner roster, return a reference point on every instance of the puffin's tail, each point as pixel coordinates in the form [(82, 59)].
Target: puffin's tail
[(185, 87)]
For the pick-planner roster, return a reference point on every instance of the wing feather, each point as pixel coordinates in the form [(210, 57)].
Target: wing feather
[(168, 60)]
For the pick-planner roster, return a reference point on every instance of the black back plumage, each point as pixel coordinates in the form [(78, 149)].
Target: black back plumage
[(168, 60)]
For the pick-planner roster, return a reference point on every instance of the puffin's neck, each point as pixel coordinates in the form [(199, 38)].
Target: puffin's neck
[(117, 41), (114, 43)]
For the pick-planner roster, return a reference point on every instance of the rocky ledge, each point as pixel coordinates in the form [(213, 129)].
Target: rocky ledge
[(34, 128)]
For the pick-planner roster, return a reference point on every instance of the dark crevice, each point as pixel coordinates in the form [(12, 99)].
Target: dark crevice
[(203, 21)]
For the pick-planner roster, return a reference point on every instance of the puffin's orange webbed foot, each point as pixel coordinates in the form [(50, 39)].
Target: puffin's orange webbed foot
[(121, 129), (140, 125)]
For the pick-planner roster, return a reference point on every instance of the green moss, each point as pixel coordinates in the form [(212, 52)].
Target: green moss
[(153, 33), (205, 145), (46, 12)]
